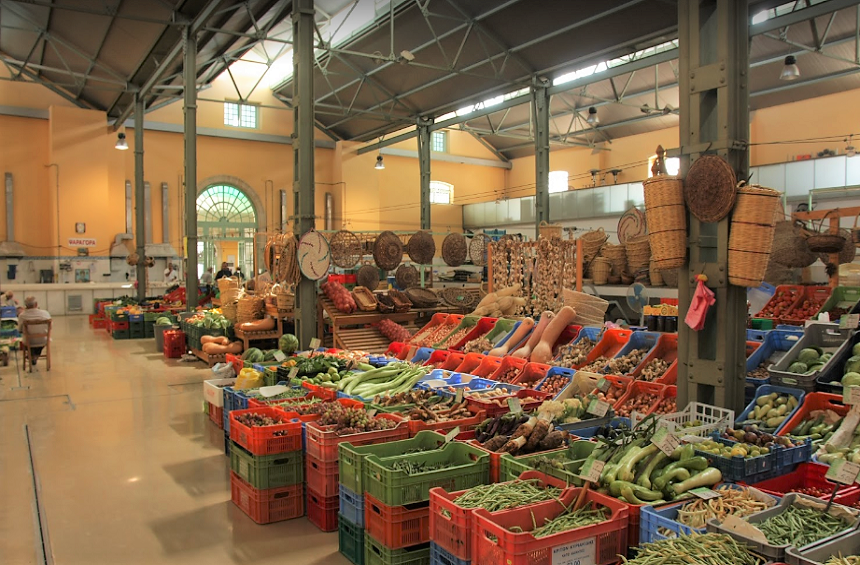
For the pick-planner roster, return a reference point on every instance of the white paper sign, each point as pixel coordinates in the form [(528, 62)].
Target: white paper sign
[(293, 372), (279, 356), (603, 385), (843, 472), (849, 321), (452, 434), (575, 553), (593, 472), (458, 396), (598, 408), (371, 413), (514, 405), (665, 441), (315, 342), (851, 395), (705, 493)]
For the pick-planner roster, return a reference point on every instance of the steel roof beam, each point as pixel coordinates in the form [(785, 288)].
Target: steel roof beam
[(801, 15), (107, 12), (50, 86)]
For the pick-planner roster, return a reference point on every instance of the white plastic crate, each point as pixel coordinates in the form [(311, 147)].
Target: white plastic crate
[(213, 391), (712, 418)]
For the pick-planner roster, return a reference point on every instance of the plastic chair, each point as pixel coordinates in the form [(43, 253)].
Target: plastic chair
[(27, 334)]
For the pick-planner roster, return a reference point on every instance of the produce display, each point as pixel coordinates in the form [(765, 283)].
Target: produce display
[(809, 360), (761, 438), (508, 375), (745, 450), (454, 338), (818, 426), (503, 302), (347, 421), (426, 406), (851, 371), (430, 336), (654, 369), (666, 406), (210, 319), (569, 520), (503, 496), (596, 366), (521, 331), (626, 363), (843, 560), (738, 502), (568, 411), (575, 353), (477, 345), (800, 526), (326, 370), (696, 549), (759, 372), (266, 324), (394, 331), (212, 345), (843, 442), (393, 379), (771, 411), (518, 434), (340, 296), (496, 396), (807, 309), (640, 403), (554, 384), (780, 304), (261, 420)]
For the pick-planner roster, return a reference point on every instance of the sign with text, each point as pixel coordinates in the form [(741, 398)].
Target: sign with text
[(82, 242)]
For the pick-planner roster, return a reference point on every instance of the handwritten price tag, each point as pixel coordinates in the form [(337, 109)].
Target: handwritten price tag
[(705, 493), (452, 434), (851, 395), (514, 405), (458, 396), (598, 408), (843, 472), (665, 441), (592, 472), (849, 321), (603, 385), (371, 413), (293, 372), (315, 342), (279, 356)]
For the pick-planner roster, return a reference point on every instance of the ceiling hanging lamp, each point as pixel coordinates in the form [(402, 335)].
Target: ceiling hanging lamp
[(592, 116), (121, 142), (789, 69)]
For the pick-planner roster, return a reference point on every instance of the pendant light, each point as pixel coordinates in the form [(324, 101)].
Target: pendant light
[(592, 116), (379, 164), (790, 70), (121, 143)]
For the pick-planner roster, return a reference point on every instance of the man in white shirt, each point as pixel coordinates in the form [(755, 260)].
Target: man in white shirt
[(32, 312), (171, 276), (207, 279)]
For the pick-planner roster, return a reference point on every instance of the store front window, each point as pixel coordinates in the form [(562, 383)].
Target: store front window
[(226, 223)]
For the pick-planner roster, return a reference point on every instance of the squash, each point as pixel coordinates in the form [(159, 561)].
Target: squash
[(522, 331), (542, 352), (220, 340), (526, 350), (509, 291), (217, 349), (265, 325)]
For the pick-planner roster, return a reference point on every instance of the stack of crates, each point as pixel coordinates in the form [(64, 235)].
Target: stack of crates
[(11, 313), (267, 466), (174, 344), (135, 326)]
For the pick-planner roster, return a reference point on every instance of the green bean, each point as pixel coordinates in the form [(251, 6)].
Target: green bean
[(503, 496), (800, 526), (695, 549), (846, 560), (569, 520)]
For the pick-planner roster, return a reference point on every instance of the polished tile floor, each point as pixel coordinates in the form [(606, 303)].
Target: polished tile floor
[(128, 470)]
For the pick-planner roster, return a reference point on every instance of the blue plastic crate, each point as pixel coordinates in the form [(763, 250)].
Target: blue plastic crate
[(227, 444), (8, 312), (591, 332), (135, 317), (787, 458), (590, 432), (736, 469), (767, 389), (10, 333), (439, 556), (654, 520), (757, 335), (639, 340), (777, 340), (352, 506), (422, 355), (557, 371)]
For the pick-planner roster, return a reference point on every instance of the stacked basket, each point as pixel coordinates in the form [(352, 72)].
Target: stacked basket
[(638, 252), (592, 241), (617, 255), (601, 267), (667, 221), (751, 235)]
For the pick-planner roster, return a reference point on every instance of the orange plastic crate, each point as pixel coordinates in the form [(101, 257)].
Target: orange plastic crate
[(397, 527), (322, 441), (508, 363), (269, 440), (566, 336), (488, 366), (453, 527), (532, 374), (813, 401), (322, 511), (237, 361), (482, 328), (437, 359), (269, 505), (499, 404), (637, 389), (496, 544), (610, 344), (470, 362), (216, 414), (670, 377), (452, 361), (665, 349), (815, 294), (670, 392), (322, 476)]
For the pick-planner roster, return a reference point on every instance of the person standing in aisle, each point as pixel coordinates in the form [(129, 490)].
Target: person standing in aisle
[(239, 274), (224, 272), (171, 276), (33, 313), (207, 280)]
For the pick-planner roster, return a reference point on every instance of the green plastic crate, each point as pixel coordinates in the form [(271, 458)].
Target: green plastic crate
[(377, 554), (501, 329), (267, 471), (843, 296), (137, 330), (148, 329), (350, 540), (351, 458), (120, 334), (270, 378), (467, 467), (511, 467)]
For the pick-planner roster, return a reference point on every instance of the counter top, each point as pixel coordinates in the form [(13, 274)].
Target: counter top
[(69, 286)]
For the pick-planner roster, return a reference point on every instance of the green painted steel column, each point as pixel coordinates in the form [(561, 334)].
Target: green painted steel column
[(190, 78), (714, 118), (424, 145), (303, 152), (139, 208), (540, 114)]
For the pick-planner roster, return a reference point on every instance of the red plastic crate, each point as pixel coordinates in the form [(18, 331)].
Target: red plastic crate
[(174, 337), (532, 374), (397, 527), (454, 359), (567, 335), (117, 326), (795, 290), (437, 359), (237, 361), (495, 544), (488, 366), (670, 377), (499, 404), (610, 344), (322, 441), (216, 414), (435, 321), (324, 392), (453, 527), (465, 424), (616, 383), (671, 391), (482, 328), (751, 347), (269, 505), (395, 348), (470, 362), (666, 349), (507, 363), (322, 510), (815, 294), (269, 440), (322, 476), (640, 388), (813, 401), (99, 324), (808, 475)]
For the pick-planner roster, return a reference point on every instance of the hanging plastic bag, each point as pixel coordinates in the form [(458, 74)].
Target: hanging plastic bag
[(223, 371), (249, 378)]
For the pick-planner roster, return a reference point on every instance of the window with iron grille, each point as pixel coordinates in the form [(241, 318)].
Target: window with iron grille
[(439, 141), (240, 115), (441, 192)]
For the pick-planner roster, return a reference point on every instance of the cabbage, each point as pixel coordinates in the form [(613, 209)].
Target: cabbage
[(808, 355), (798, 368), (851, 379)]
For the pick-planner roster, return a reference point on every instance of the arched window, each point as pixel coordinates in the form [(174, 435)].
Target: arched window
[(441, 192), (226, 223)]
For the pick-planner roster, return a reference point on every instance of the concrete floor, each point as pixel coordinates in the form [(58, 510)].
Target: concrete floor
[(128, 468)]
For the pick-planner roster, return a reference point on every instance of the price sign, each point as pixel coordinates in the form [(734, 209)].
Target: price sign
[(665, 441), (371, 413), (582, 552), (315, 342), (452, 434), (598, 408), (851, 395), (293, 372), (705, 493), (591, 472), (843, 472), (279, 356), (514, 405), (458, 396), (603, 385)]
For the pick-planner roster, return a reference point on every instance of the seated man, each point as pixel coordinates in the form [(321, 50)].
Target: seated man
[(32, 312)]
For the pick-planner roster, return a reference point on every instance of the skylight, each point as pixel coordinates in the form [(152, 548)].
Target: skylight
[(783, 9)]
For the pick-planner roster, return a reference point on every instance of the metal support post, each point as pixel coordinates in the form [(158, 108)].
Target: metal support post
[(139, 208), (714, 118), (540, 113), (189, 69), (424, 144), (303, 153)]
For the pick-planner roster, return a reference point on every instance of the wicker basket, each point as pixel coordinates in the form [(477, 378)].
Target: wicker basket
[(422, 298), (638, 249), (454, 249), (368, 277), (230, 295), (388, 250), (345, 249), (848, 253), (364, 299), (229, 311), (226, 283), (655, 275), (751, 235), (421, 248), (592, 241), (600, 269), (284, 298), (384, 304), (825, 242), (789, 245), (667, 221), (407, 276), (710, 188), (478, 249), (670, 277), (550, 231), (401, 301), (250, 308)]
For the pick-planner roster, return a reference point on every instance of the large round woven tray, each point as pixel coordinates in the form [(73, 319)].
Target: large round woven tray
[(458, 298), (478, 249), (345, 249), (368, 277), (710, 188), (632, 223), (454, 249), (421, 248), (314, 256), (421, 297), (287, 262), (406, 276), (387, 251)]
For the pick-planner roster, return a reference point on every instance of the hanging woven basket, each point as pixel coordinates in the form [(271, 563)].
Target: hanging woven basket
[(790, 248), (345, 249), (406, 276), (751, 235), (825, 242), (849, 251), (454, 249), (421, 248), (388, 251), (313, 254), (368, 277), (710, 188), (478, 249)]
